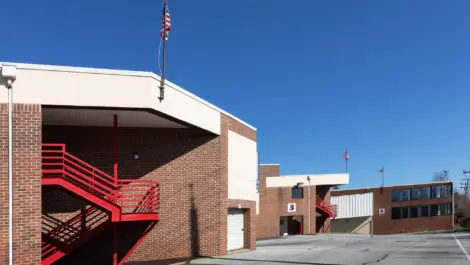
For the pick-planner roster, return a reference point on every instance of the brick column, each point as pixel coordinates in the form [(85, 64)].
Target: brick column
[(27, 183)]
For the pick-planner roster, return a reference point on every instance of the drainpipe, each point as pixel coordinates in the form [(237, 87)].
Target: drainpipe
[(453, 205), (9, 76), (309, 206)]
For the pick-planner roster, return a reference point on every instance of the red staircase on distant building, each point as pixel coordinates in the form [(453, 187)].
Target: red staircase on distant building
[(328, 210), (113, 201)]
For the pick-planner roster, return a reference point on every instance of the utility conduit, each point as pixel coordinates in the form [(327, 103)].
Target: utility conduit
[(9, 76)]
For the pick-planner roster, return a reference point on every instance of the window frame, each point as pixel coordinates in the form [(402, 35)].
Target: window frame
[(301, 193), (430, 210), (446, 187), (420, 193), (402, 191)]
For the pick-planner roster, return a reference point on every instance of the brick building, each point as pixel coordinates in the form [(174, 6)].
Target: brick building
[(394, 209), (105, 172), (295, 204)]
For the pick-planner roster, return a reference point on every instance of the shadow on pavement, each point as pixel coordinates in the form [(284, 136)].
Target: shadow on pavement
[(275, 261)]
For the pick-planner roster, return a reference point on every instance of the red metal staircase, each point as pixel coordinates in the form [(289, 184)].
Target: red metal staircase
[(67, 236), (329, 210), (113, 200)]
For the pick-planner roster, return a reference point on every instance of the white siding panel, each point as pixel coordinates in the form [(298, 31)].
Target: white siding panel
[(356, 205), (242, 168)]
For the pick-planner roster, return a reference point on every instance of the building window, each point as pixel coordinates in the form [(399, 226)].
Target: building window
[(414, 212), (425, 211), (297, 193), (396, 213), (434, 210), (400, 195), (422, 211), (445, 209), (405, 212), (443, 191), (420, 193)]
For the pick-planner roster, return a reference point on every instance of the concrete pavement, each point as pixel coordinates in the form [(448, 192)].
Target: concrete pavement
[(355, 250)]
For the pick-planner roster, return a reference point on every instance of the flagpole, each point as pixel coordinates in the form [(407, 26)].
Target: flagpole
[(162, 78), (383, 172)]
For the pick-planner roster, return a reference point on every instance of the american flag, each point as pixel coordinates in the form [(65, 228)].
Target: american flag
[(346, 155), (382, 170), (166, 22)]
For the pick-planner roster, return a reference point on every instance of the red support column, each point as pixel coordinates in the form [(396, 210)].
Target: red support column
[(115, 244), (115, 167), (115, 148)]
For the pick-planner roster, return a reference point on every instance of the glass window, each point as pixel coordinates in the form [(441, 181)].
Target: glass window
[(405, 195), (396, 213), (425, 211), (396, 195), (405, 212), (434, 210), (414, 212), (445, 209), (420, 193), (441, 191), (297, 193), (425, 193), (400, 195)]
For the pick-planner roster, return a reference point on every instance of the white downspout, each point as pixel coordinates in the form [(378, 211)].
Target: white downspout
[(9, 75)]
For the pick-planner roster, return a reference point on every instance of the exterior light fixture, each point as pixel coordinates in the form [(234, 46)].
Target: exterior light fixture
[(136, 156)]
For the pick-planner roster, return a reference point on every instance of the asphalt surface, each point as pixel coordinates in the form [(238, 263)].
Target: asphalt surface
[(448, 249)]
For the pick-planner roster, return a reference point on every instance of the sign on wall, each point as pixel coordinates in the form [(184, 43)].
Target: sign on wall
[(291, 207), (382, 211)]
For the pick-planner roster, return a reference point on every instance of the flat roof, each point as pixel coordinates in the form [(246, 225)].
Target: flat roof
[(74, 69), (315, 180), (398, 185)]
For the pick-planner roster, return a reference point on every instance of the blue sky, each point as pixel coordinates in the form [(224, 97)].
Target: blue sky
[(388, 79)]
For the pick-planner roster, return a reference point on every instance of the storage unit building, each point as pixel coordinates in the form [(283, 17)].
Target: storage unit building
[(299, 204), (403, 208)]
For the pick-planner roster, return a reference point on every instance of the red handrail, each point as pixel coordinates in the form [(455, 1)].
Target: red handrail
[(71, 230), (55, 160), (138, 195), (330, 208), (131, 195), (72, 220)]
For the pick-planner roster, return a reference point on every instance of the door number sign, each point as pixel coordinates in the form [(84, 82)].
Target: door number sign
[(291, 207)]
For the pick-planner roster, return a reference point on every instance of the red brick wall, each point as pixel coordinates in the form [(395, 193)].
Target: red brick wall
[(186, 164), (383, 224), (273, 204), (27, 184), (191, 167)]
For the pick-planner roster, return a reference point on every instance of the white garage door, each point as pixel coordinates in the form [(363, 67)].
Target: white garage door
[(235, 229)]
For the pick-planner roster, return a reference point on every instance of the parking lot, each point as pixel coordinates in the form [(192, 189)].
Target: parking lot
[(428, 249)]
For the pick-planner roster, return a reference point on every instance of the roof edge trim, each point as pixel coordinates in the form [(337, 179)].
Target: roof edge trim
[(75, 69)]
